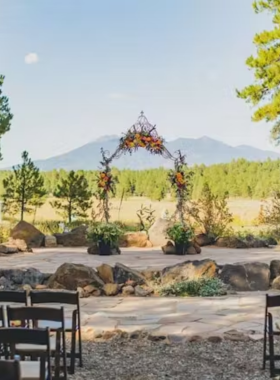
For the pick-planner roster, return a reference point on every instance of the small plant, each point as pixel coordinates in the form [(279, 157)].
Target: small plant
[(204, 287), (108, 233), (4, 233), (180, 234), (146, 217)]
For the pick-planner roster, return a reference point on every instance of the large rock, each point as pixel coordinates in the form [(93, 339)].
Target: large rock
[(33, 277), (93, 249), (230, 242), (202, 240), (8, 250), (50, 241), (157, 232), (75, 238), (111, 289), (170, 249), (189, 270), (30, 234), (274, 269), (106, 273), (19, 244), (122, 274), (246, 277), (134, 239), (253, 242), (276, 283), (71, 276)]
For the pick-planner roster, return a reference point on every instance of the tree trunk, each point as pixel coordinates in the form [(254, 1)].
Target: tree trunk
[(70, 212)]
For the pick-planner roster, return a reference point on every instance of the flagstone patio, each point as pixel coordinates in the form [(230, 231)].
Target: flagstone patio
[(163, 316)]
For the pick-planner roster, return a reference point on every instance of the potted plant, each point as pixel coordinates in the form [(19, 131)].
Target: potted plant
[(181, 235), (106, 236)]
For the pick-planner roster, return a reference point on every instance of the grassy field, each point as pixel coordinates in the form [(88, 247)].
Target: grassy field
[(244, 210)]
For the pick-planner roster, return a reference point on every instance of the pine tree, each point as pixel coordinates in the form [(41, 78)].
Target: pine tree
[(23, 188), (73, 196), (265, 92), (5, 112)]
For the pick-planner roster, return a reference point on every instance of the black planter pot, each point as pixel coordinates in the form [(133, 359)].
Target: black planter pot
[(181, 249), (105, 249)]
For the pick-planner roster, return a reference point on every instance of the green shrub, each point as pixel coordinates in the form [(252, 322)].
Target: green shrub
[(180, 234), (4, 233), (108, 233), (50, 227), (204, 287)]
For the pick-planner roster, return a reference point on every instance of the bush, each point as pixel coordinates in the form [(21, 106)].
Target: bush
[(180, 234), (204, 287), (5, 232), (50, 227), (211, 213), (109, 233)]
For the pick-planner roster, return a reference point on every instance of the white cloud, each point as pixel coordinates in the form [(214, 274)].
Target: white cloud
[(31, 58)]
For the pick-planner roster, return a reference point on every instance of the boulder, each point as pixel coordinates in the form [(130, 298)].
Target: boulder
[(30, 234), (246, 277), (111, 289), (197, 247), (50, 241), (151, 274), (141, 292), (169, 248), (33, 277), (122, 274), (276, 283), (157, 232), (128, 290), (271, 241), (253, 242), (106, 273), (93, 249), (71, 276), (189, 270), (274, 269), (19, 244), (75, 238), (134, 239), (202, 240), (193, 249), (8, 250), (230, 242)]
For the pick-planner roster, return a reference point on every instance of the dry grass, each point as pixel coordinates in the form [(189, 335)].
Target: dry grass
[(244, 210)]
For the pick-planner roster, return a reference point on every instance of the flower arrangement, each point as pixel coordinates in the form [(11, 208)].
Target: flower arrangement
[(178, 179), (105, 182), (142, 139)]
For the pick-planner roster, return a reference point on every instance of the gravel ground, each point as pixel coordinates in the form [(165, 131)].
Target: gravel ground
[(123, 359)]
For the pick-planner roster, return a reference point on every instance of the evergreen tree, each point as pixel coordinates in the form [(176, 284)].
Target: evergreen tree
[(73, 196), (5, 112), (23, 188), (265, 92)]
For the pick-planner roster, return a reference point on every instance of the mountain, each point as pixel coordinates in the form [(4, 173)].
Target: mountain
[(203, 150)]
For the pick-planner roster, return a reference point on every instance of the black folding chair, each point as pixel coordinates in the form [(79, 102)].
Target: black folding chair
[(10, 370), (30, 317), (12, 336), (269, 334), (14, 296), (72, 325)]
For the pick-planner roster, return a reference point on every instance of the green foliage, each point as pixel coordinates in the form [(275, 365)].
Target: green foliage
[(50, 227), (210, 213), (5, 233), (146, 217), (204, 287), (73, 196), (23, 188), (5, 112), (108, 233), (264, 93), (180, 234), (271, 211)]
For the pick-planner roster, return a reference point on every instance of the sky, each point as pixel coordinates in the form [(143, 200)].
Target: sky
[(78, 70)]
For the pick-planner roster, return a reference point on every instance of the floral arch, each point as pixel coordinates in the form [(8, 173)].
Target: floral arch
[(142, 135)]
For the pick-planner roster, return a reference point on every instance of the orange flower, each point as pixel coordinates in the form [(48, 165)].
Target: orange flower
[(102, 175)]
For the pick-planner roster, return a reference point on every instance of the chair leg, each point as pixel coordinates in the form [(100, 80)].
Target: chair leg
[(264, 343), (271, 347), (73, 353), (80, 348)]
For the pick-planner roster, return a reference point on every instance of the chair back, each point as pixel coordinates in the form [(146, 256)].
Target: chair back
[(10, 370), (14, 296), (34, 314), (47, 296), (272, 301)]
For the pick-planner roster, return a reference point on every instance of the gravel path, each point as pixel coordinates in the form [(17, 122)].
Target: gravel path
[(122, 359)]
